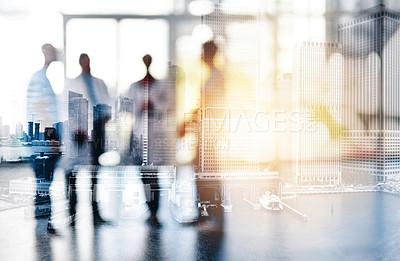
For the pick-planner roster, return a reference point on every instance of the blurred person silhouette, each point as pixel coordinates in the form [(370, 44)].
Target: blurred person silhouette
[(42, 109), (95, 91), (214, 88), (145, 94), (212, 94), (92, 88)]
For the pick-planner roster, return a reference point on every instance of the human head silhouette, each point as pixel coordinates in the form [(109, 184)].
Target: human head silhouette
[(84, 62), (209, 51), (147, 61), (50, 54)]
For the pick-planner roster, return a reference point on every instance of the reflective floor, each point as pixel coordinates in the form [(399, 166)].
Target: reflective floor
[(357, 226)]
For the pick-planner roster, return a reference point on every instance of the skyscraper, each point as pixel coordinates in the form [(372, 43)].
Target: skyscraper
[(77, 113), (317, 88), (119, 130), (37, 131), (19, 130), (282, 106), (6, 131), (371, 100), (77, 124), (59, 126), (165, 120), (124, 104), (30, 130), (227, 140), (101, 114)]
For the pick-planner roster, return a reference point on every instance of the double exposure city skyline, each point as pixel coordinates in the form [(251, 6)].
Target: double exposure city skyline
[(200, 130)]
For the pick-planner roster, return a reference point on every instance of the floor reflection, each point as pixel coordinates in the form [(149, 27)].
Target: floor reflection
[(330, 232), (208, 244), (43, 242), (153, 245)]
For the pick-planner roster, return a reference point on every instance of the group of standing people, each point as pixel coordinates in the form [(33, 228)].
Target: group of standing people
[(42, 105)]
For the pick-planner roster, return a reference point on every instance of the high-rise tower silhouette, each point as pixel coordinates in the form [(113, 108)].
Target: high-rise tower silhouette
[(318, 94), (371, 107)]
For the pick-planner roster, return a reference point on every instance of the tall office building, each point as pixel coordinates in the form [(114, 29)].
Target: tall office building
[(37, 131), (19, 130), (119, 130), (30, 130), (6, 131), (371, 101), (165, 119), (77, 124), (317, 84), (281, 100), (124, 104), (77, 113), (227, 140), (101, 114), (59, 127)]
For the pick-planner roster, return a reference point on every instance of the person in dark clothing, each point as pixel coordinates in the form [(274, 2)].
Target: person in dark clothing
[(86, 86), (145, 94)]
